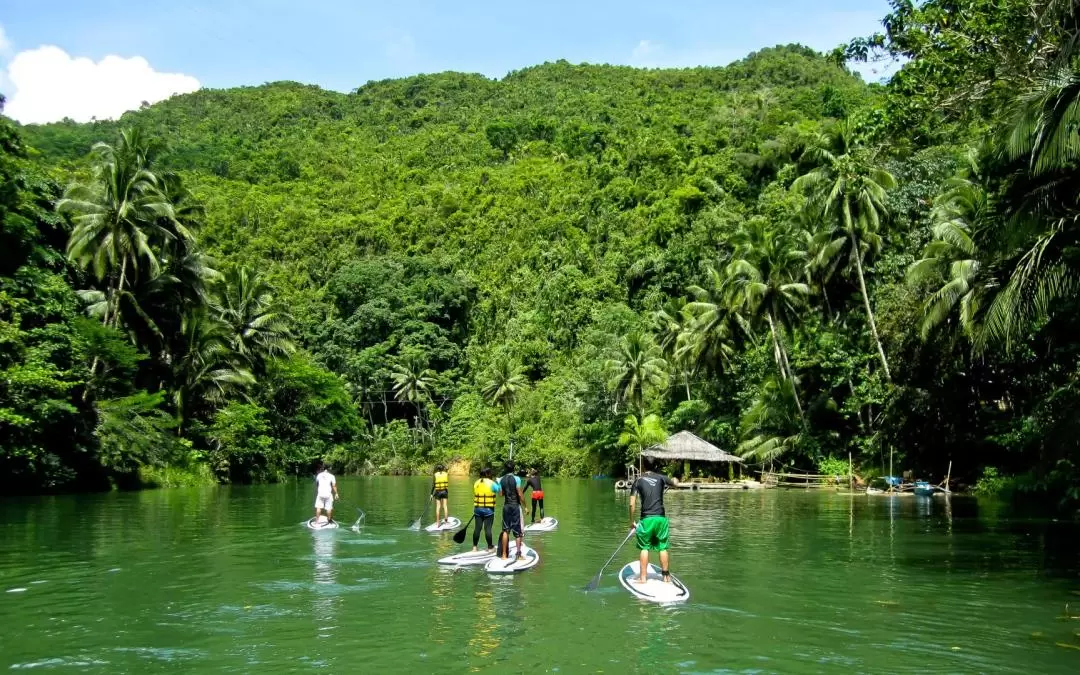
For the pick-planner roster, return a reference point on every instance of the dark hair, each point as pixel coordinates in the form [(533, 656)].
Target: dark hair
[(648, 463), (440, 467), (319, 466), (508, 467), (485, 472)]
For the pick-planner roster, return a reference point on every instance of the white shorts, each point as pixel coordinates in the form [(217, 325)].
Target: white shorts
[(326, 503)]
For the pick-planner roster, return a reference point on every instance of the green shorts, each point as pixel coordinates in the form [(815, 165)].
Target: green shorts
[(652, 533)]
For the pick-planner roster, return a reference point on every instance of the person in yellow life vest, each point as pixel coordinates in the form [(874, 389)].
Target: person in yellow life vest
[(441, 491), (484, 491)]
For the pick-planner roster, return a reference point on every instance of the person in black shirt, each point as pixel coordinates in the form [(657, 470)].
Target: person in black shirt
[(510, 487), (536, 492), (652, 529)]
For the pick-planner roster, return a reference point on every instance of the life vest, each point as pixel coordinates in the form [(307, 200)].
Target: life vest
[(483, 495), (442, 480)]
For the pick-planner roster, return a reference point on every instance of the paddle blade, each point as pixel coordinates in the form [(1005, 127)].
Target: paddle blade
[(591, 586), (459, 536), (415, 525)]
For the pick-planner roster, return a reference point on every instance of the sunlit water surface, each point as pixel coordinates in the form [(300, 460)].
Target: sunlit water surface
[(227, 580)]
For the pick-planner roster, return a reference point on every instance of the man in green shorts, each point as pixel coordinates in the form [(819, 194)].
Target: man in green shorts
[(652, 529)]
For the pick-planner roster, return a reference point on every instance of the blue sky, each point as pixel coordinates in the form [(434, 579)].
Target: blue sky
[(341, 45)]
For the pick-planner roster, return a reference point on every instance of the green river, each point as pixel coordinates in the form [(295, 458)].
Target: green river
[(227, 580)]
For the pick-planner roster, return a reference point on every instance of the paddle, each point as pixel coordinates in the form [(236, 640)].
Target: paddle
[(459, 536), (596, 580), (416, 523)]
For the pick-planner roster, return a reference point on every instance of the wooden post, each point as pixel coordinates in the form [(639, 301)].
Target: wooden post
[(948, 476), (891, 486), (850, 473)]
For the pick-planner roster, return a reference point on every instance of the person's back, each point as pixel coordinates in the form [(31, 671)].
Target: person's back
[(652, 528), (325, 493), (536, 492), (484, 493), (510, 486)]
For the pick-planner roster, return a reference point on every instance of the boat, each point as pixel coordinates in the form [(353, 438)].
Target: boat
[(450, 523), (924, 489), (546, 524), (512, 565), (471, 558), (317, 525), (655, 589)]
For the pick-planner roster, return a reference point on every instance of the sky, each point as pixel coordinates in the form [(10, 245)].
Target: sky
[(98, 58)]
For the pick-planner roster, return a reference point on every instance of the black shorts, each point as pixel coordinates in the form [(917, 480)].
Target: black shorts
[(511, 521), (441, 494)]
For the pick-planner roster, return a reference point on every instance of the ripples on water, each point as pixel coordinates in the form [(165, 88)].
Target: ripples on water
[(228, 581)]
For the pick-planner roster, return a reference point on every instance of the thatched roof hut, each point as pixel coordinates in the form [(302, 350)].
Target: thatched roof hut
[(686, 446)]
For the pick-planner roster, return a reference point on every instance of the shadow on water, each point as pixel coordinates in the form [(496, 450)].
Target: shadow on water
[(226, 579)]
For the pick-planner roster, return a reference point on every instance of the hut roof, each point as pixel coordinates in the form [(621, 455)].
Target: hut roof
[(685, 445)]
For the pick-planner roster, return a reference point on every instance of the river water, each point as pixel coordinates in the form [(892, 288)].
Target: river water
[(227, 580)]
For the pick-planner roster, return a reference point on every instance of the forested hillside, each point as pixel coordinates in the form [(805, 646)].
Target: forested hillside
[(789, 262)]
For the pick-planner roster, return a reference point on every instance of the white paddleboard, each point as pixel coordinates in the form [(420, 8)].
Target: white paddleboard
[(311, 524), (546, 524), (511, 565), (655, 589), (450, 523), (469, 558)]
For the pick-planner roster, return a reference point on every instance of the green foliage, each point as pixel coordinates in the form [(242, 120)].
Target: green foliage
[(833, 466), (990, 482), (789, 262)]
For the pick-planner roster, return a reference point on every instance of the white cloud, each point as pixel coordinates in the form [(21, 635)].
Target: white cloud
[(5, 44), (49, 85)]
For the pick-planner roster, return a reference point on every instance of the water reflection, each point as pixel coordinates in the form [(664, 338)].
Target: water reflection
[(325, 578), (483, 641)]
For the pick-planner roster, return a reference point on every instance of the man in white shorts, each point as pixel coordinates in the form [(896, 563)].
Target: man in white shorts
[(325, 494)]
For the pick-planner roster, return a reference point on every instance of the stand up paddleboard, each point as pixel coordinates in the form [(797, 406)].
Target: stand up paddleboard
[(655, 589), (511, 565), (313, 524), (470, 558), (450, 523), (546, 524)]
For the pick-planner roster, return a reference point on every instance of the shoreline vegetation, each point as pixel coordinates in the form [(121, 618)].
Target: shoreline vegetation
[(575, 259)]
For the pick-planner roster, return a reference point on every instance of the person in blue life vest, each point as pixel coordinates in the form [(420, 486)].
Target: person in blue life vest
[(440, 490), (484, 492), (652, 529), (510, 486)]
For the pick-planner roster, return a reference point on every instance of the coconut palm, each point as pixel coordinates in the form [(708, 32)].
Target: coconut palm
[(637, 370), (119, 216), (207, 370), (673, 324), (951, 260), (764, 278), (767, 428), (1040, 209), (503, 385), (413, 382), (640, 434), (258, 328), (849, 192), (710, 338)]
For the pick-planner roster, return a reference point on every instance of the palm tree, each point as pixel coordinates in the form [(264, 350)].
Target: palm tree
[(767, 427), (637, 370), (763, 278), (710, 338), (951, 260), (413, 382), (673, 323), (258, 328), (849, 192), (503, 385), (638, 435), (207, 370), (1040, 208), (118, 216)]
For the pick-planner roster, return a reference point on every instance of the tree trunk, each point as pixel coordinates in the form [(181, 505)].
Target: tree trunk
[(782, 361), (869, 312)]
